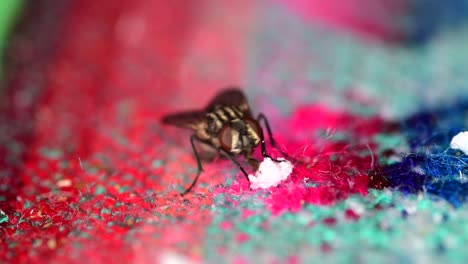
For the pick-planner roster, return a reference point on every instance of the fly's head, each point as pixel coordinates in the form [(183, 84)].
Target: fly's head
[(240, 135)]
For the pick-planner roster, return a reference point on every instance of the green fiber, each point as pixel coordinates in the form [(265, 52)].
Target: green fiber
[(100, 190), (3, 217), (386, 141), (9, 10), (403, 228)]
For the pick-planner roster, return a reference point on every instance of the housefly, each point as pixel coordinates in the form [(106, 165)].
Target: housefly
[(225, 125)]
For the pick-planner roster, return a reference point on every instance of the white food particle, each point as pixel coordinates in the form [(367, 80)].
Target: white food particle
[(270, 173), (173, 258), (64, 183), (460, 141)]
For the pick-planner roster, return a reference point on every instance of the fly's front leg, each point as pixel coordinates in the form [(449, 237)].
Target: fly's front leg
[(262, 117), (193, 138), (229, 156), (251, 161)]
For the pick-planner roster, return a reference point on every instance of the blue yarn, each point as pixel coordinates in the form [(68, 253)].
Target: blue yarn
[(455, 192), (432, 166), (433, 129), (403, 177), (408, 176), (445, 165)]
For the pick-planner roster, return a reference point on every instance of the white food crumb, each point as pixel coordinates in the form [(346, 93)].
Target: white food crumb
[(173, 258), (460, 141), (64, 183), (270, 173)]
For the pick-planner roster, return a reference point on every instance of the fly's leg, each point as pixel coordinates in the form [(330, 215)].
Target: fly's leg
[(229, 156), (251, 161), (193, 138), (262, 117), (197, 157)]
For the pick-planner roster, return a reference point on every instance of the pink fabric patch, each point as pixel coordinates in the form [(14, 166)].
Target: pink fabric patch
[(327, 169)]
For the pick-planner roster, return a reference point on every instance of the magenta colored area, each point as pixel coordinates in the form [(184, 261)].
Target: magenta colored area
[(334, 152)]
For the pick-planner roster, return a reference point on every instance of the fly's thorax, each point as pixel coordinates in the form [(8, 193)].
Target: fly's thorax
[(219, 116)]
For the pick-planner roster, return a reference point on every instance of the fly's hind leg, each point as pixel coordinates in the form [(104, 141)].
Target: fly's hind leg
[(197, 157)]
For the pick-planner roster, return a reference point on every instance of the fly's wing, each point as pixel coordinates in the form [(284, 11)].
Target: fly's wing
[(189, 119), (230, 96), (192, 119)]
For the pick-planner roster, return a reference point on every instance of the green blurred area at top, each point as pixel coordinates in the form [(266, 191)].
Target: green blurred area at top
[(9, 11)]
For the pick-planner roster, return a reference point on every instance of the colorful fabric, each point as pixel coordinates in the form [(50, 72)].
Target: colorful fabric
[(87, 171)]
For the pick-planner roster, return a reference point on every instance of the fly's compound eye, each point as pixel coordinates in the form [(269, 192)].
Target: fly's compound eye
[(225, 137)]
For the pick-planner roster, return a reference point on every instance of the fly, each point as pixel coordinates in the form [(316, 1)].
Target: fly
[(226, 125)]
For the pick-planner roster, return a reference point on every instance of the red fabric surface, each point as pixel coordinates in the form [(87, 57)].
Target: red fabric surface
[(83, 152), (91, 122)]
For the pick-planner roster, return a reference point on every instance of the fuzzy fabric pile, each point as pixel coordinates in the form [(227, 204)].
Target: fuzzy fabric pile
[(368, 108)]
